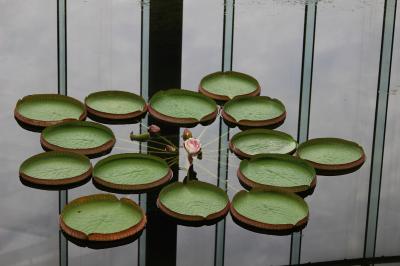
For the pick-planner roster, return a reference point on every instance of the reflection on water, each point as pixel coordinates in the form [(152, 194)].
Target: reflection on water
[(340, 5), (104, 53)]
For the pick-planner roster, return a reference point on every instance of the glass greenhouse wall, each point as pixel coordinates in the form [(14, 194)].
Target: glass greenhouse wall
[(334, 63)]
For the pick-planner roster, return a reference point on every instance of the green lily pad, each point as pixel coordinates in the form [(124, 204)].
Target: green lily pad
[(131, 172), (115, 102), (227, 85), (193, 201), (330, 151), (254, 111), (331, 155), (55, 165), (277, 171), (256, 141), (100, 214), (269, 209), (84, 137), (254, 108), (43, 110), (182, 106), (115, 105), (56, 168)]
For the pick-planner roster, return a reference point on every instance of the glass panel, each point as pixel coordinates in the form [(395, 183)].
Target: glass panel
[(201, 43), (201, 55), (104, 54), (28, 52), (103, 46), (273, 57), (388, 238), (346, 68)]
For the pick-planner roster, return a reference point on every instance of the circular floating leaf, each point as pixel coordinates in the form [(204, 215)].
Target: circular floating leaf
[(102, 218), (277, 172), (56, 170), (115, 106), (256, 141), (223, 86), (131, 173), (254, 111), (88, 138), (332, 156), (269, 210), (35, 112), (193, 201), (182, 107)]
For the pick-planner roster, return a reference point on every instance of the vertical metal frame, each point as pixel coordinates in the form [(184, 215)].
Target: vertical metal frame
[(227, 45), (62, 89), (144, 92), (310, 17), (144, 52), (223, 154), (389, 20)]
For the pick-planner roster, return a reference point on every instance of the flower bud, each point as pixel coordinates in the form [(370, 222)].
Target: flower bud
[(169, 148), (153, 130), (187, 134)]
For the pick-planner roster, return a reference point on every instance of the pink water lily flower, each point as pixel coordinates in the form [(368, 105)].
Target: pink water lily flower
[(192, 146)]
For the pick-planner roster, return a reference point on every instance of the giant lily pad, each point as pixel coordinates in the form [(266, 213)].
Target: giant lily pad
[(182, 107), (101, 218), (277, 172), (38, 111), (193, 201), (254, 111), (269, 210), (332, 156), (223, 86), (56, 170), (116, 107), (131, 173), (88, 138), (256, 141)]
